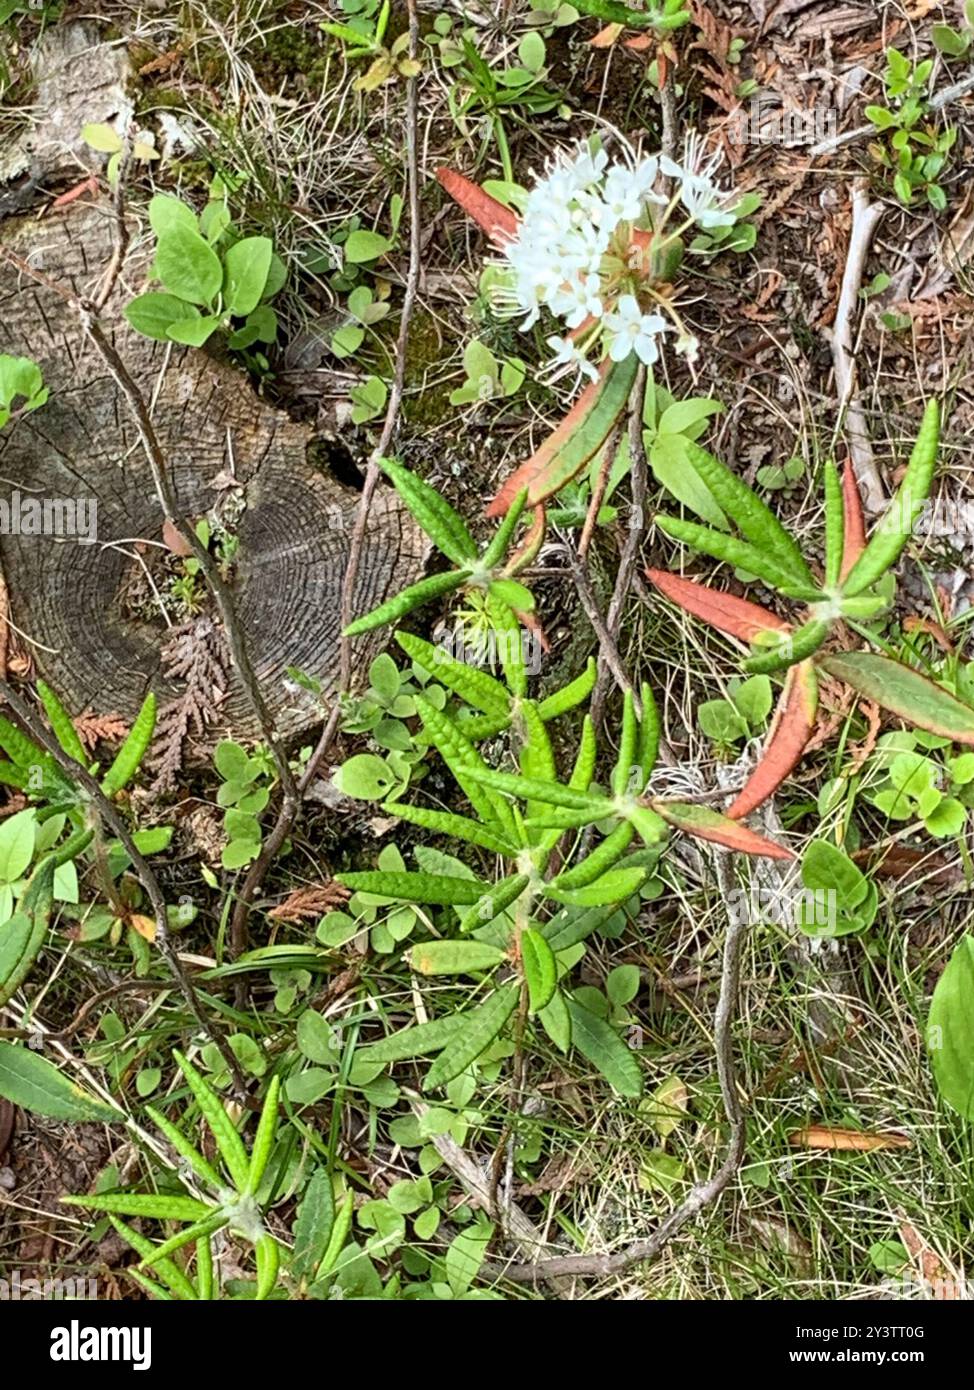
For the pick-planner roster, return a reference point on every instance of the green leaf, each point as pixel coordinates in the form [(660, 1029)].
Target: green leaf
[(60, 721), (441, 522), (438, 889), (670, 461), (245, 269), (17, 844), (30, 1081), (396, 607), (904, 692), (100, 137), (600, 1044), (480, 1027), (365, 246), (950, 1030), (22, 935), (613, 887), (129, 757), (476, 687), (540, 969), (187, 265), (366, 777), (455, 957), (193, 332), (417, 1041), (458, 827), (153, 314), (557, 1023), (166, 212), (314, 1224)]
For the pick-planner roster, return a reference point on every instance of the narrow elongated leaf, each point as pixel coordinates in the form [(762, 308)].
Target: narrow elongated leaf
[(476, 687), (224, 1131), (313, 1227), (33, 1083), (950, 1030), (707, 824), (501, 896), (466, 764), (896, 526), (755, 521), (154, 1206), (480, 1027), (552, 793), (445, 823), (599, 861), (600, 1044), (169, 1270), (439, 889), (435, 586), (455, 957), (793, 648), (613, 887), (497, 548), (854, 524), (129, 757), (581, 434), (557, 1022), (622, 773), (834, 524), (540, 969), (22, 935), (419, 1040), (60, 721), (903, 692), (499, 222), (444, 525), (571, 694), (736, 616), (790, 731), (763, 563)]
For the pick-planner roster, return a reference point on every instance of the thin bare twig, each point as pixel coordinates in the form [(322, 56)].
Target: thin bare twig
[(937, 103), (108, 813), (705, 1193), (289, 810), (866, 217), (630, 551)]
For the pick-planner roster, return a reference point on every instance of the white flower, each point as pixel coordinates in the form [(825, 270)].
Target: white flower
[(703, 199), (577, 300), (634, 331), (688, 346), (569, 354)]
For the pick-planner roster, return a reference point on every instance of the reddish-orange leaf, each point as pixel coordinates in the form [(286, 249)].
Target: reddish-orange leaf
[(854, 542), (707, 824), (569, 447), (790, 732), (737, 616), (848, 1140), (606, 37), (529, 547), (497, 221)]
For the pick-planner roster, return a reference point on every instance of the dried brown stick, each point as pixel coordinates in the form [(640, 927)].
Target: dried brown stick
[(100, 803), (703, 1194), (866, 217), (289, 811)]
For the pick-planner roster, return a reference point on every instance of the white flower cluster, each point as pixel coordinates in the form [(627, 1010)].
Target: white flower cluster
[(571, 255)]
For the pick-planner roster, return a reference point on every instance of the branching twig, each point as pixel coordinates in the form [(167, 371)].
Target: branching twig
[(865, 219), (108, 813), (289, 810), (705, 1193), (630, 551), (937, 103)]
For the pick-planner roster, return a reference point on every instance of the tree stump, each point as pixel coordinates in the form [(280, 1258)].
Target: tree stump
[(227, 449)]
